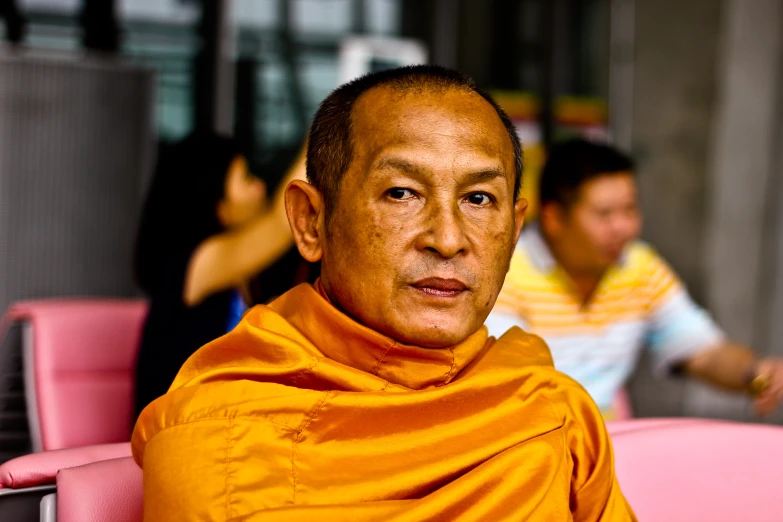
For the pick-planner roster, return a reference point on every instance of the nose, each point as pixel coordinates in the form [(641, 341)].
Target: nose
[(625, 224), (444, 232)]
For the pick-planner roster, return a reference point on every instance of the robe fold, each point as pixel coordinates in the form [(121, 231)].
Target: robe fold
[(303, 414)]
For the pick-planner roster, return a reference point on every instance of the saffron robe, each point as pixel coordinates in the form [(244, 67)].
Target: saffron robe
[(303, 414)]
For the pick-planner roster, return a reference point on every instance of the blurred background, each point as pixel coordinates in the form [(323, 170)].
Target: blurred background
[(691, 88)]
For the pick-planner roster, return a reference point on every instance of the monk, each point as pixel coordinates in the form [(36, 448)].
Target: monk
[(376, 394)]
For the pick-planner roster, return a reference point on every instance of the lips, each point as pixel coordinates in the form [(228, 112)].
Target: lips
[(439, 287)]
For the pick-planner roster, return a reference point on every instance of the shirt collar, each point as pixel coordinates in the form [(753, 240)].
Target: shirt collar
[(344, 340)]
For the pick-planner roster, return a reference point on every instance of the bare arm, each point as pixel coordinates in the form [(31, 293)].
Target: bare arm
[(732, 366), (726, 365), (683, 335), (229, 259)]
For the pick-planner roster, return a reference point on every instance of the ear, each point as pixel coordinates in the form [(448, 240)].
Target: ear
[(552, 219), (221, 211), (304, 205), (519, 217)]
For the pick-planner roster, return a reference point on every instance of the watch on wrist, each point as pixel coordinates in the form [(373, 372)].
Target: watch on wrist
[(755, 382)]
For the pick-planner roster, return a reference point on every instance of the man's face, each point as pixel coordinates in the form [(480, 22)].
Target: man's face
[(425, 222), (601, 223)]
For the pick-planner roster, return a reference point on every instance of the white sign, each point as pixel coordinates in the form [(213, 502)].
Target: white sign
[(363, 55)]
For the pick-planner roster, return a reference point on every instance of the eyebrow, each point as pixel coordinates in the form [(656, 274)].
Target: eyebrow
[(398, 164), (411, 168), (487, 175)]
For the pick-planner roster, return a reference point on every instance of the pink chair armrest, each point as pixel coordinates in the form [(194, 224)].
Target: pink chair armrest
[(709, 470), (106, 490), (617, 427), (36, 469)]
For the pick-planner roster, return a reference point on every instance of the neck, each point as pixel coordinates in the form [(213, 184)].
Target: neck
[(585, 280)]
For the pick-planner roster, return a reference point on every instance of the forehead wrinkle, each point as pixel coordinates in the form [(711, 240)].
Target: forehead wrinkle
[(480, 175), (399, 164), (385, 105)]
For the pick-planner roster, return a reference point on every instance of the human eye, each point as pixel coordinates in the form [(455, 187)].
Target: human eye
[(479, 199), (399, 193), (603, 214)]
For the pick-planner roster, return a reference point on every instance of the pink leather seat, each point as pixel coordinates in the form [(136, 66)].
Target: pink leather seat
[(615, 427), (673, 470), (36, 469), (25, 480), (106, 490), (79, 359), (705, 470)]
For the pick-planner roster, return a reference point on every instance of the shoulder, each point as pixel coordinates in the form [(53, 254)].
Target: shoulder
[(652, 273), (230, 377), (523, 349), (643, 257), (223, 403), (530, 356), (219, 429)]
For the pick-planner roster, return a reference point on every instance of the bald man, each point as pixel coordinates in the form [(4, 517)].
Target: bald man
[(376, 394)]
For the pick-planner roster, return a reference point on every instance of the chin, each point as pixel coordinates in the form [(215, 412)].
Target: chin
[(605, 260), (435, 337)]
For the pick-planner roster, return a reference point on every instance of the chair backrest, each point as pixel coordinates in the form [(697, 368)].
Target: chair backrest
[(107, 490), (79, 369), (14, 427), (707, 470)]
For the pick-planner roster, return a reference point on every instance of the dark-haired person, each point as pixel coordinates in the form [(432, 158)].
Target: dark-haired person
[(582, 280), (206, 230), (376, 394)]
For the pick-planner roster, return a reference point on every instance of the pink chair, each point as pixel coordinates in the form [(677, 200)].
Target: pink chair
[(673, 470), (704, 470), (79, 368), (615, 427), (106, 490), (621, 408), (25, 480)]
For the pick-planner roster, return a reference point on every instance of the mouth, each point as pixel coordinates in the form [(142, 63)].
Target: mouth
[(439, 287)]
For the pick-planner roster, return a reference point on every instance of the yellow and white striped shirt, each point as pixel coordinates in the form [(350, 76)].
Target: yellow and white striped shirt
[(639, 302)]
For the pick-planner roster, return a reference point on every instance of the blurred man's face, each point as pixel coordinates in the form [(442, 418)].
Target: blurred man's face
[(594, 232), (421, 234)]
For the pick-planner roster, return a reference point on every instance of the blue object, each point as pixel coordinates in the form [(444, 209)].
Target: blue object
[(236, 310)]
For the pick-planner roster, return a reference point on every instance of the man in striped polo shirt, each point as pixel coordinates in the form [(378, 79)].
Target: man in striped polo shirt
[(582, 280)]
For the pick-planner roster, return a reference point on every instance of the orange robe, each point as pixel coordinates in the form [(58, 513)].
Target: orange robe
[(302, 414)]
